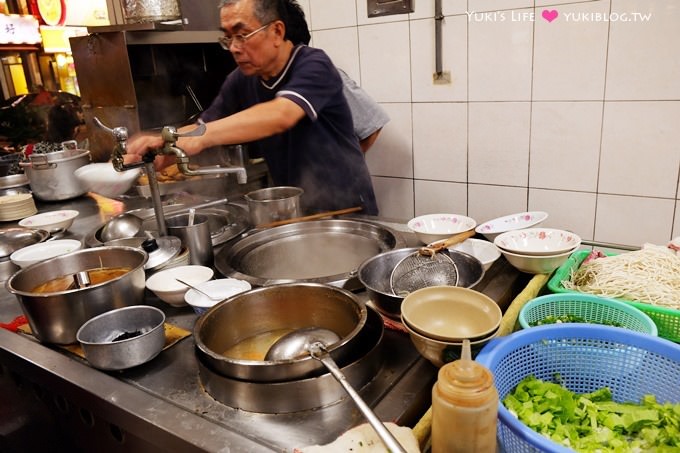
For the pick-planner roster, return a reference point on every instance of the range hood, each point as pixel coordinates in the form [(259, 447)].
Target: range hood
[(197, 15)]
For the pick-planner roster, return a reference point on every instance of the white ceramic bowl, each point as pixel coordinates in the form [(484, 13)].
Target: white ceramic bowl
[(51, 221), (169, 290), (103, 179), (486, 252), (435, 227), (537, 241), (42, 251), (511, 222), (536, 264), (219, 290)]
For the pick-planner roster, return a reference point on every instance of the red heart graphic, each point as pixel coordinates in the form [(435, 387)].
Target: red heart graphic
[(550, 15)]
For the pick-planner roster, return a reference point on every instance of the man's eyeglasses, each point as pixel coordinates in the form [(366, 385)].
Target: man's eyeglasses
[(240, 39)]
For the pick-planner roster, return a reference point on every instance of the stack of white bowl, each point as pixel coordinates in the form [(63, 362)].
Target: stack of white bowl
[(439, 318), (537, 250)]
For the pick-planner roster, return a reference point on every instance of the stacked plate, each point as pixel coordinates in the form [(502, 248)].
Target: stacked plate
[(537, 250), (17, 206)]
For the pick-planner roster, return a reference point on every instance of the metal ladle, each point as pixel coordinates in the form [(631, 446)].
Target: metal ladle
[(315, 341)]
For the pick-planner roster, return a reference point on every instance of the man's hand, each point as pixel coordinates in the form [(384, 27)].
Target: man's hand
[(140, 144)]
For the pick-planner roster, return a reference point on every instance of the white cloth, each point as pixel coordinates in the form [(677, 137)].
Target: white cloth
[(363, 439)]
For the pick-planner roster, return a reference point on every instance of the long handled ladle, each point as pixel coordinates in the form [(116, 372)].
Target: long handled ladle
[(315, 341)]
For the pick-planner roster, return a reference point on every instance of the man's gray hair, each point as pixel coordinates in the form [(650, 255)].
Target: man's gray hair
[(265, 11)]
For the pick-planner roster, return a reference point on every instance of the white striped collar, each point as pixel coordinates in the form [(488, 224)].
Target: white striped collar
[(275, 83)]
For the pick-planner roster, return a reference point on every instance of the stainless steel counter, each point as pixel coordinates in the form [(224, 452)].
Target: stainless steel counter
[(161, 405)]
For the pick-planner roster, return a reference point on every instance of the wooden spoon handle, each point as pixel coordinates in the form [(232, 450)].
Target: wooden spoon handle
[(433, 248), (310, 217)]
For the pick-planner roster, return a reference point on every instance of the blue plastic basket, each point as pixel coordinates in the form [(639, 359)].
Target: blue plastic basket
[(587, 357)]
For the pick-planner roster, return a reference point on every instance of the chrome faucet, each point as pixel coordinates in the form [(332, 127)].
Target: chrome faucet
[(169, 135)]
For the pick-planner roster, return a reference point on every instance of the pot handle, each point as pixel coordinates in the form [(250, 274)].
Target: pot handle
[(40, 162)]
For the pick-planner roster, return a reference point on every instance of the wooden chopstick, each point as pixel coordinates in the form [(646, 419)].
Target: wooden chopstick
[(310, 217)]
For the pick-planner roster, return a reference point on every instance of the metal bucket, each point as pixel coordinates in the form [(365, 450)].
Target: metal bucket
[(273, 204), (50, 175), (55, 317)]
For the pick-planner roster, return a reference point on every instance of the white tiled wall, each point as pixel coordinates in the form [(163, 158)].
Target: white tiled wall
[(578, 115)]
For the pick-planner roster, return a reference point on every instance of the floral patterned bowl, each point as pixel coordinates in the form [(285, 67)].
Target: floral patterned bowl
[(511, 222), (51, 221), (435, 227), (538, 241)]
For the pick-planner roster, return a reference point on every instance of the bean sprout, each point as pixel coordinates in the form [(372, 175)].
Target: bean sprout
[(650, 275)]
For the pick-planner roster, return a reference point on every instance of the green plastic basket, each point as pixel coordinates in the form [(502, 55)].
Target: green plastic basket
[(592, 309), (667, 320)]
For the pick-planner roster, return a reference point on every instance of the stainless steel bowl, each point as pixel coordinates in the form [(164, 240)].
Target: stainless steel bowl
[(374, 274), (55, 317), (123, 338), (259, 317)]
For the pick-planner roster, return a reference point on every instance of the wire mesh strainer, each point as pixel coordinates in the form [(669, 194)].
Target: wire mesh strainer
[(429, 266)]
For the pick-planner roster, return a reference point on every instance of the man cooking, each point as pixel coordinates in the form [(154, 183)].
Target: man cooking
[(287, 103)]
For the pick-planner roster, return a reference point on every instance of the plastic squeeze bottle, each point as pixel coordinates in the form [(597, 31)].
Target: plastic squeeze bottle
[(464, 407)]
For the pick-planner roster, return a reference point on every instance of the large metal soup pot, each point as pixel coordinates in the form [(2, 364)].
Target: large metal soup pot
[(50, 175), (55, 317), (246, 325)]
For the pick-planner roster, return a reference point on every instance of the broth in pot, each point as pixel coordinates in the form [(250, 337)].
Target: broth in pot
[(66, 282)]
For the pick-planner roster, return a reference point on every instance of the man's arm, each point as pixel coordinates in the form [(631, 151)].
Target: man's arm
[(257, 122), (254, 123)]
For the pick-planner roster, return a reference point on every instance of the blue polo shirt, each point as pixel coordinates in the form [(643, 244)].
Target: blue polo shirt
[(320, 153)]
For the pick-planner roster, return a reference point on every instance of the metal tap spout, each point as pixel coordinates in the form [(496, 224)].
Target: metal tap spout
[(120, 134), (170, 136)]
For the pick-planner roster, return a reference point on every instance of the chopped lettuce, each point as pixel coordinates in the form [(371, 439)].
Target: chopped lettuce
[(593, 422)]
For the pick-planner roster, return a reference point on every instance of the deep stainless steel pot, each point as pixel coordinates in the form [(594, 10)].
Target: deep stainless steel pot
[(50, 175), (272, 204), (322, 251), (262, 312), (56, 317), (364, 363)]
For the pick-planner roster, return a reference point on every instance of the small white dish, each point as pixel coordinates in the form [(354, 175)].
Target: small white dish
[(103, 179), (511, 222), (42, 251), (486, 252), (218, 290), (430, 228), (169, 290), (538, 241), (51, 221)]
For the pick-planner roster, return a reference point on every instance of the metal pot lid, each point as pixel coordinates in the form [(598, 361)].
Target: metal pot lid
[(58, 156), (161, 250), (11, 181), (324, 251), (15, 238)]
